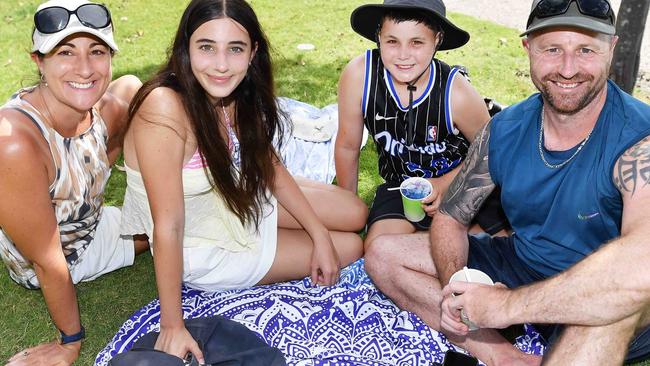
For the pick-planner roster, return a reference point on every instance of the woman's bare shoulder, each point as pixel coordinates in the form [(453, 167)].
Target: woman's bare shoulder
[(162, 107), (20, 139)]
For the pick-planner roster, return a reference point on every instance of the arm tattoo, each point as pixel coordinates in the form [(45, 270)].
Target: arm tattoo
[(473, 184), (632, 170)]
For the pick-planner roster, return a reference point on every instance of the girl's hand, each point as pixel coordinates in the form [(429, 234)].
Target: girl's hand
[(431, 202), (53, 353), (325, 263), (178, 342)]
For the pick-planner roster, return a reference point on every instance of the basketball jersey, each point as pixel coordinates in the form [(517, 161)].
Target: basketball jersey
[(437, 148)]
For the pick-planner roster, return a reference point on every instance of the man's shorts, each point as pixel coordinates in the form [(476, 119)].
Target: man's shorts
[(497, 258), (388, 205)]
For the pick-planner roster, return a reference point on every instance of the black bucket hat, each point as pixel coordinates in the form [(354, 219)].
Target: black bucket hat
[(365, 19)]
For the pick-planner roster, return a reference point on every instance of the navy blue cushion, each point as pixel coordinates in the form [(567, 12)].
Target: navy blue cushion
[(224, 343)]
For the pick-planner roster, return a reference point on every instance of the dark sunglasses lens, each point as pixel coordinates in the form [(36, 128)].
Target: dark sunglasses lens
[(94, 16), (51, 20), (548, 8), (594, 8)]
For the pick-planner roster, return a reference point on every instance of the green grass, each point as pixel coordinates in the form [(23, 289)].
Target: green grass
[(496, 61)]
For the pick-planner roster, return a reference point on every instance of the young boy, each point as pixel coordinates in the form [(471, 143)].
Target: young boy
[(421, 113)]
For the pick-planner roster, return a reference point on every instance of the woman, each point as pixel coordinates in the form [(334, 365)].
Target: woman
[(61, 137), (203, 176)]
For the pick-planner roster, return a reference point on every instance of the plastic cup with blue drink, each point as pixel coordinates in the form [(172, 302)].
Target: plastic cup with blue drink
[(413, 191)]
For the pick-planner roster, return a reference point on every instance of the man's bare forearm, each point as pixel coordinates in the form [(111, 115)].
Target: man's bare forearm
[(607, 286), (461, 202), (449, 246)]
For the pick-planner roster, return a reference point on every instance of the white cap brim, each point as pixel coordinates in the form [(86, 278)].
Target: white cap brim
[(44, 43)]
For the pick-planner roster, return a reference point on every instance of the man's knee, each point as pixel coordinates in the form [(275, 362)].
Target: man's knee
[(599, 345), (378, 256)]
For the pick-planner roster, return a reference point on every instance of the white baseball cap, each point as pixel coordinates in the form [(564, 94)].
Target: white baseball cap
[(45, 42)]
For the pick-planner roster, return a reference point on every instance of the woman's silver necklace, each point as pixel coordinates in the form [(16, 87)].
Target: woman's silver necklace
[(540, 146)]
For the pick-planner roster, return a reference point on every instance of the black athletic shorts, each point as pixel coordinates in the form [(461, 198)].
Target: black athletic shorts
[(388, 205)]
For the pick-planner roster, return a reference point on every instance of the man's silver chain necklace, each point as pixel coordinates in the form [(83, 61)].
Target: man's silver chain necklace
[(541, 147)]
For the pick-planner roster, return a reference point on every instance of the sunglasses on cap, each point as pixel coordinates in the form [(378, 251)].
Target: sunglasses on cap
[(56, 18), (593, 8)]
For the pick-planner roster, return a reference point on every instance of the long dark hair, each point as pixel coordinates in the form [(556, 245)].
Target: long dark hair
[(256, 115)]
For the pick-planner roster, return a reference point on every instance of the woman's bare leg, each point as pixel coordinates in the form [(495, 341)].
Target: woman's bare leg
[(337, 208), (293, 254)]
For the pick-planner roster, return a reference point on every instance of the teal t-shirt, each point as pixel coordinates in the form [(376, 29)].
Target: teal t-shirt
[(561, 215)]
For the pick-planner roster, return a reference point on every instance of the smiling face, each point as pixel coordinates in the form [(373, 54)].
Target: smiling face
[(77, 71), (406, 48), (220, 53), (569, 67)]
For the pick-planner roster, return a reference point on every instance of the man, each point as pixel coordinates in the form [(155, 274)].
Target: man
[(572, 163), (420, 112)]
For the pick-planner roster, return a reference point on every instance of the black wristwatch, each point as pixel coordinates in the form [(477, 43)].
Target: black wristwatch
[(65, 339)]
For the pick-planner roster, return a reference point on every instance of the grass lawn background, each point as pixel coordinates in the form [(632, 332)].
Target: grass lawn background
[(144, 30)]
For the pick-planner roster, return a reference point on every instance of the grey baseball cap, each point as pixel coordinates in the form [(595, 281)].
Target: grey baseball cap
[(573, 17)]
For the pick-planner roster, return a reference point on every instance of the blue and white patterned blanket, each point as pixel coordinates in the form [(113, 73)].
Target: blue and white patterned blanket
[(348, 324)]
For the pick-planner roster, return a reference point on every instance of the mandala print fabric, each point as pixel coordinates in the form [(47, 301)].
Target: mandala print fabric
[(348, 324)]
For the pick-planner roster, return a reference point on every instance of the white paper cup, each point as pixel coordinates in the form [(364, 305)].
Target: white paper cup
[(475, 276)]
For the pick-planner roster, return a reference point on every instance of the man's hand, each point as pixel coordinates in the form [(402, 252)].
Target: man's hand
[(484, 305), (47, 354)]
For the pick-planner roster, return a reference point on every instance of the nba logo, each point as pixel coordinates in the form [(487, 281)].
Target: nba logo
[(432, 133)]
